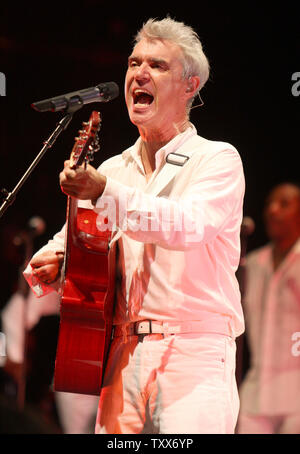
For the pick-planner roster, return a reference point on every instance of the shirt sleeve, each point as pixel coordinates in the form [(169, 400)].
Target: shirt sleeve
[(210, 197)]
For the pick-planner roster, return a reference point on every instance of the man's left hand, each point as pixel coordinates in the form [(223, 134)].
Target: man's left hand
[(82, 183)]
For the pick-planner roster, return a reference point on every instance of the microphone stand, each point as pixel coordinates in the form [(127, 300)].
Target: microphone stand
[(9, 197)]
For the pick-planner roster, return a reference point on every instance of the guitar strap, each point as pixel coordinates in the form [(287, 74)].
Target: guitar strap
[(174, 163)]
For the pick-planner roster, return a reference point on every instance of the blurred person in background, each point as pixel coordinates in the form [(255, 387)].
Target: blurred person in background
[(37, 319), (270, 392), (29, 329)]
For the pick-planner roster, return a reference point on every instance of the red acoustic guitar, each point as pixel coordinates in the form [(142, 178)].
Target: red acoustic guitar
[(88, 288)]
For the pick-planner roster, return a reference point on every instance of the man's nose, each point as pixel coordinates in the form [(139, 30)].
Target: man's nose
[(272, 208), (142, 72)]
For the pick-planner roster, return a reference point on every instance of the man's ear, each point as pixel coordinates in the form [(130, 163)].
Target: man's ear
[(193, 84)]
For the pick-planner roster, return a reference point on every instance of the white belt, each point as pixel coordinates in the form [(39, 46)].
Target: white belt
[(220, 325)]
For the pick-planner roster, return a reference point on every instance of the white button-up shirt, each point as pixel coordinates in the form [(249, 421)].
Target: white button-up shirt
[(272, 312), (179, 233)]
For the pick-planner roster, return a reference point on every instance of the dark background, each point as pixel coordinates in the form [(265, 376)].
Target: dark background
[(48, 49), (54, 48)]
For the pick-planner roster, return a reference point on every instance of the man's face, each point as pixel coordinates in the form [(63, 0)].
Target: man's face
[(282, 212), (155, 92)]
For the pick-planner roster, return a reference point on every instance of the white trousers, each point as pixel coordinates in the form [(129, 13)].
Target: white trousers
[(169, 384), (269, 424), (76, 412)]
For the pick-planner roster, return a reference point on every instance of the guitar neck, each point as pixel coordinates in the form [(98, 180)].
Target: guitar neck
[(71, 213)]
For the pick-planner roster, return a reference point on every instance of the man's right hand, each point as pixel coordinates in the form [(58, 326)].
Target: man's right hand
[(46, 266)]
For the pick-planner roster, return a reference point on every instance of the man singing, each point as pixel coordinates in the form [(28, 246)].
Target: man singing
[(178, 201)]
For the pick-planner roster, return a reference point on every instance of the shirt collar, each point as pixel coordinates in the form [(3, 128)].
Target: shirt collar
[(174, 144), (162, 153), (296, 248)]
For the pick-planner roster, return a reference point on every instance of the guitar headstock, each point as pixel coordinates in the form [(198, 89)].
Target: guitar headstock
[(87, 143)]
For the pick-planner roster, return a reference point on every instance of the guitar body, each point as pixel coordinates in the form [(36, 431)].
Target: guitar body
[(87, 299), (87, 303)]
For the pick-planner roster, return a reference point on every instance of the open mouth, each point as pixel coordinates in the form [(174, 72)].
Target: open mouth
[(142, 97)]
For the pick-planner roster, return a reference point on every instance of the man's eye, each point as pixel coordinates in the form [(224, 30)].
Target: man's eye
[(157, 66)]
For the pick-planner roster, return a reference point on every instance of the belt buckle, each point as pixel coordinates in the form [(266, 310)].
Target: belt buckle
[(150, 326), (136, 333)]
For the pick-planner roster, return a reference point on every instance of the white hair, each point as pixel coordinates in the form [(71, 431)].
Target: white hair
[(194, 61)]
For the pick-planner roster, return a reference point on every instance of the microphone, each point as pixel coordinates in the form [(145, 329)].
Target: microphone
[(36, 226), (248, 226), (101, 93)]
